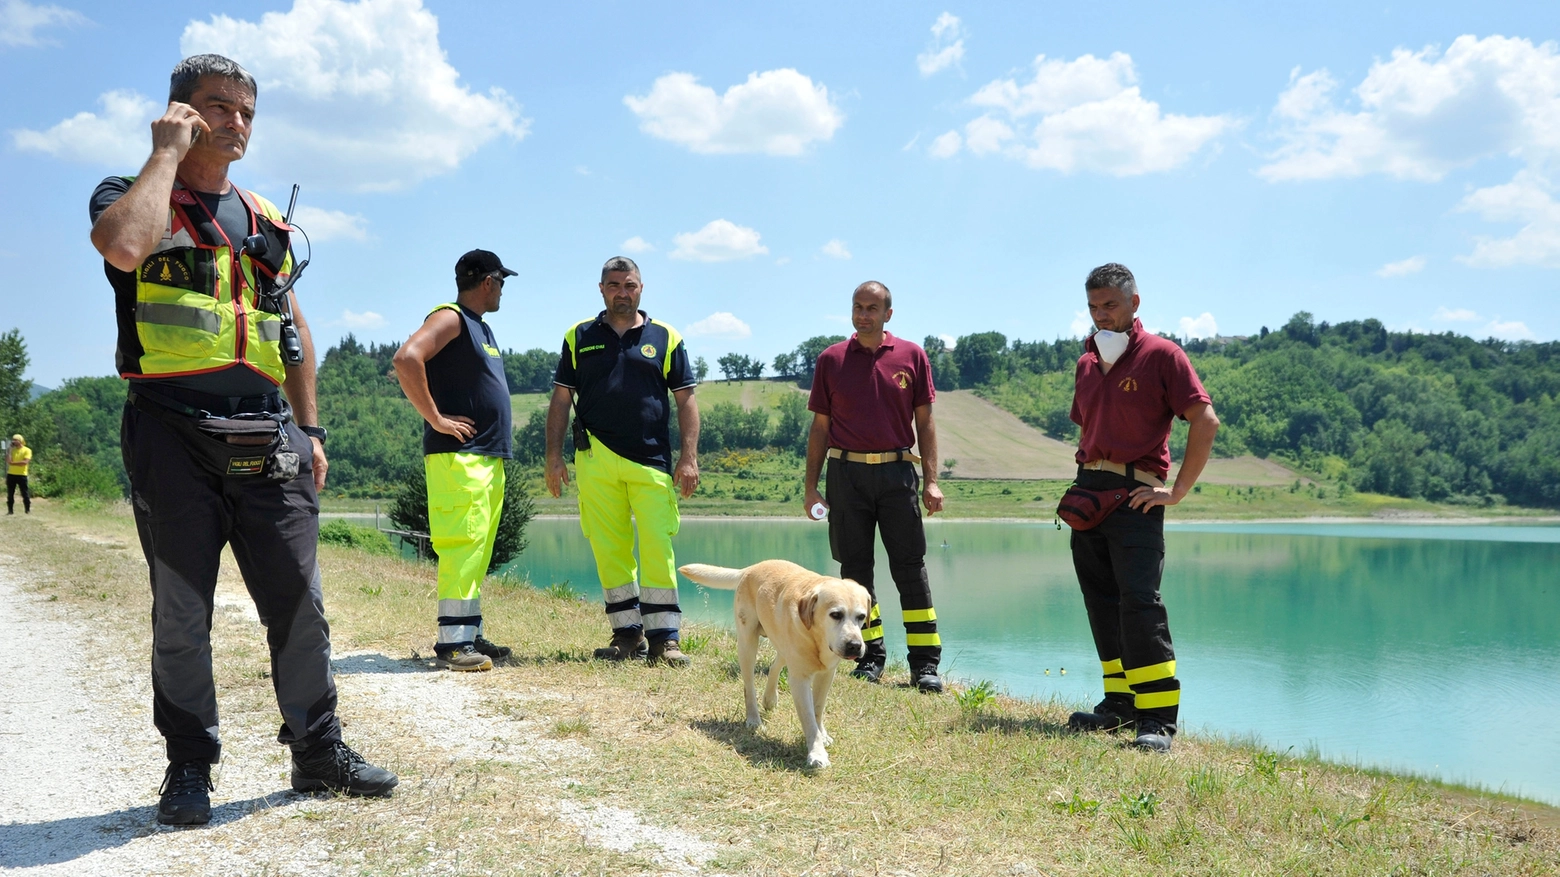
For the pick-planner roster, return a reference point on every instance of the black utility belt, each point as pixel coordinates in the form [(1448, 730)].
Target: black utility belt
[(242, 445)]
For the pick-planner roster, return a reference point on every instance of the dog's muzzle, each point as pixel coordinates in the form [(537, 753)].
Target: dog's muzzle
[(855, 649)]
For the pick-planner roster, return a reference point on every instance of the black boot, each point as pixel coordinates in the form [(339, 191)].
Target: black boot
[(334, 767), (493, 650), (1109, 714), (869, 667), (1153, 735), (186, 798)]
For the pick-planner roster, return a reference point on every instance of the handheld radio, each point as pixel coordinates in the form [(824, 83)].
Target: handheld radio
[(276, 300)]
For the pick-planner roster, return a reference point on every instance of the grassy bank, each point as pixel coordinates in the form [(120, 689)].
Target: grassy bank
[(962, 784)]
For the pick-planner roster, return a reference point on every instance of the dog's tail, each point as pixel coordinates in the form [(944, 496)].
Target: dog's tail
[(721, 577)]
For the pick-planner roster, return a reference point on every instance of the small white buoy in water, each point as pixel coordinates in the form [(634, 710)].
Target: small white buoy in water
[(1048, 671), (945, 544), (1064, 671)]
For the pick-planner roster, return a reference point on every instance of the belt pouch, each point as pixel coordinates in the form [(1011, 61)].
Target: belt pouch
[(1084, 509), (229, 446)]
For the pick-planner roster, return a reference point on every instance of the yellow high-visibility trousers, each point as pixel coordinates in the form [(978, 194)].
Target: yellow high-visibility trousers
[(465, 500), (615, 495)]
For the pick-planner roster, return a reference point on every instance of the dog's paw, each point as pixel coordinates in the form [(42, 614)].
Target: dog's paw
[(754, 720), (817, 759), (769, 703)]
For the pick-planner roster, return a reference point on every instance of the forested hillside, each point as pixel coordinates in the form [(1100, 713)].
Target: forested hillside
[(1440, 417)]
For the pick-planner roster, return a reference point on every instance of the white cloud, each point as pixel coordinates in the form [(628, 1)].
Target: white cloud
[(119, 137), (1460, 315), (1527, 199), (946, 48), (836, 248), (1085, 115), (360, 322), (20, 22), (1081, 324), (721, 324), (1421, 114), (637, 244), (1200, 327), (327, 225), (357, 95), (719, 241), (777, 112), (909, 145), (949, 341), (783, 260), (946, 145), (1514, 330), (1411, 265)]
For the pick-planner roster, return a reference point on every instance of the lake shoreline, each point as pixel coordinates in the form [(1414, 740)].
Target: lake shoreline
[(1308, 519)]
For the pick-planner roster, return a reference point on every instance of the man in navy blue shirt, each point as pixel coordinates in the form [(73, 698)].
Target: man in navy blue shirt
[(622, 365)]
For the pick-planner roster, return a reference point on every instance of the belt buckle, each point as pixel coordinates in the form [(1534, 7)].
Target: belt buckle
[(872, 458), (1096, 465)]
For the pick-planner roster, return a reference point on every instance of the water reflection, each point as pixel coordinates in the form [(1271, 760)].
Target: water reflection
[(1428, 648)]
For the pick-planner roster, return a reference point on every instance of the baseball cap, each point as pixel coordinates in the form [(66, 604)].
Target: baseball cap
[(478, 263)]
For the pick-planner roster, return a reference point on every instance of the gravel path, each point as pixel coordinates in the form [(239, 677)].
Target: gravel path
[(80, 761)]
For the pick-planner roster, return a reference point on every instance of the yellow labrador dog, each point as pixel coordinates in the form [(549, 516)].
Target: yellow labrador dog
[(814, 622)]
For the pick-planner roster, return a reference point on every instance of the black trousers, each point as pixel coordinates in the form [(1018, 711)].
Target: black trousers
[(1119, 565), (864, 497), (11, 483), (185, 514)]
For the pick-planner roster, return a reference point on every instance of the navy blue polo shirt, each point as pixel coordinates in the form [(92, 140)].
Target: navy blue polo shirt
[(466, 377), (622, 382)]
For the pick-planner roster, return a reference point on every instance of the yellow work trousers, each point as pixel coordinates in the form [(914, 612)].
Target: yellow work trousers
[(465, 500), (615, 495)]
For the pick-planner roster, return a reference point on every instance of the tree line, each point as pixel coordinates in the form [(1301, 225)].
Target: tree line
[(1439, 416)]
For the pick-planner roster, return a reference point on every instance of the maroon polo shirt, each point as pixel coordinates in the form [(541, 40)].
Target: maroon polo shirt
[(870, 396), (1126, 414)]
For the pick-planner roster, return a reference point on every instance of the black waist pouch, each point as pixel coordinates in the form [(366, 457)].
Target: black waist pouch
[(244, 445)]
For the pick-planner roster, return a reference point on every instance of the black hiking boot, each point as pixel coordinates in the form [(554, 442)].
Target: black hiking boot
[(1153, 735), (186, 798), (334, 767), (626, 645), (1108, 715), (668, 652), (927, 681), (491, 649)]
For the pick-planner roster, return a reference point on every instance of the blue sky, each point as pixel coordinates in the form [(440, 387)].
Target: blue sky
[(979, 159)]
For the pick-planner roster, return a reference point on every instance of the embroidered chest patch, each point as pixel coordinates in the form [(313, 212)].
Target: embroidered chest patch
[(648, 351), (166, 270)]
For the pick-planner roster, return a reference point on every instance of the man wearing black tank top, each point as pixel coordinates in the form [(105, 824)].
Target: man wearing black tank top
[(453, 374)]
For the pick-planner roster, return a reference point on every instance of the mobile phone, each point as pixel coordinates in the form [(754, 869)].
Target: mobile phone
[(194, 135)]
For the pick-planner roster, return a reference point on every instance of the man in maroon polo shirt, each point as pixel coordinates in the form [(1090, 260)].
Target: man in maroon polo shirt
[(871, 399), (1129, 384)]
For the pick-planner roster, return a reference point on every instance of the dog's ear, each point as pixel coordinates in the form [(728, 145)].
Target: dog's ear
[(807, 607)]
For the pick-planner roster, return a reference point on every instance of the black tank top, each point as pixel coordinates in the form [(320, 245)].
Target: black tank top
[(467, 378)]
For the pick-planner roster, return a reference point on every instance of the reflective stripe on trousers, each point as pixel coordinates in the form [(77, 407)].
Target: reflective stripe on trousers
[(612, 489)]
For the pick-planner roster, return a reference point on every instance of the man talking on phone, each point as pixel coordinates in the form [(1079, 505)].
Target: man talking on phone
[(220, 434)]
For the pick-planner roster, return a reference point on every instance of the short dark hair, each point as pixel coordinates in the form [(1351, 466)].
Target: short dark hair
[(888, 297), (619, 263), (1111, 275), (462, 284), (189, 72)]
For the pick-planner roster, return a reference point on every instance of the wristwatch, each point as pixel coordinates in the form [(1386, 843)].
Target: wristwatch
[(314, 432)]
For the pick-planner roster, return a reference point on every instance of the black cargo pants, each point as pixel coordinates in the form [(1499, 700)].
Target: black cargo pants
[(863, 497), (1119, 565), (185, 514)]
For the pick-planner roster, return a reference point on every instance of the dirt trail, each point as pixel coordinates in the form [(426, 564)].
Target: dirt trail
[(80, 761)]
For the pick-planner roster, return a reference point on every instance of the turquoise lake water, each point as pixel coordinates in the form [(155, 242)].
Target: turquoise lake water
[(1430, 648)]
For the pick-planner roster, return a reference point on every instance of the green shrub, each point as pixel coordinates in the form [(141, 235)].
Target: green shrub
[(58, 474), (347, 535), (409, 509)]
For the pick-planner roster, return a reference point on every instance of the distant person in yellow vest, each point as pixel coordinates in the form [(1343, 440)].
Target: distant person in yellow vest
[(216, 455), (453, 374), (17, 459)]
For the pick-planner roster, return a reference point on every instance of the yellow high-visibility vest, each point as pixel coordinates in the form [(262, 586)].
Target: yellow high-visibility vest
[(194, 307)]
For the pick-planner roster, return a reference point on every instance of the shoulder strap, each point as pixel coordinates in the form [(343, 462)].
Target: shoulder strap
[(447, 306)]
